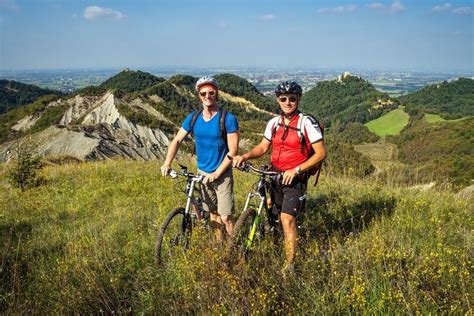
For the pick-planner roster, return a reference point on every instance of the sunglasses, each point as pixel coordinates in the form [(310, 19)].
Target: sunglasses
[(211, 93), (291, 99)]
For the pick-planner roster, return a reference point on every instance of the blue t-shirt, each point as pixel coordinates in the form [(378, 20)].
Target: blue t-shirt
[(210, 147)]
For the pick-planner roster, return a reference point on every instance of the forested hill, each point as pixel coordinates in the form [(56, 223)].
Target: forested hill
[(240, 87), (14, 94), (346, 99), (450, 100), (130, 81)]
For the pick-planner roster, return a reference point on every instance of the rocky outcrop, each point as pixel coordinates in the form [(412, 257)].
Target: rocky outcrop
[(78, 107), (99, 132), (26, 122)]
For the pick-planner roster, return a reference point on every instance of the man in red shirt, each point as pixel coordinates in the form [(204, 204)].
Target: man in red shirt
[(292, 157)]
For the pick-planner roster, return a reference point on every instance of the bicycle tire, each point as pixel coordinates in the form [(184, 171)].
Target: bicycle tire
[(174, 236), (240, 233)]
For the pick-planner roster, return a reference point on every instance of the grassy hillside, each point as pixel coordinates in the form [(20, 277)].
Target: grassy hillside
[(240, 87), (441, 151), (450, 100), (49, 116), (390, 123), (433, 118), (83, 243), (14, 94), (351, 99)]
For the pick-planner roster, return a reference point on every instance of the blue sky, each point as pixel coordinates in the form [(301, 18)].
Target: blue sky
[(374, 34)]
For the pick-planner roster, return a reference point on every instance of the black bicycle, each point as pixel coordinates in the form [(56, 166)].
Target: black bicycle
[(258, 217), (174, 235)]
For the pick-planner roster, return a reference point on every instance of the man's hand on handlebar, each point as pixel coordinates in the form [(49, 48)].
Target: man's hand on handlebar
[(165, 169), (237, 161)]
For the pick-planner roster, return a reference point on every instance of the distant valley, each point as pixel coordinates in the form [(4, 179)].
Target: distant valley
[(394, 83)]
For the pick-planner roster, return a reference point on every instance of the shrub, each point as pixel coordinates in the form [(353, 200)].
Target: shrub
[(27, 164)]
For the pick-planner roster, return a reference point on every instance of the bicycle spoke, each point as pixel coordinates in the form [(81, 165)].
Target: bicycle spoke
[(173, 238)]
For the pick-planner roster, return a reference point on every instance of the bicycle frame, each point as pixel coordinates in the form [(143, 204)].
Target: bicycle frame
[(191, 181), (261, 193)]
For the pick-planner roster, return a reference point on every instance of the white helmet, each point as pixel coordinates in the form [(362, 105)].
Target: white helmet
[(206, 80)]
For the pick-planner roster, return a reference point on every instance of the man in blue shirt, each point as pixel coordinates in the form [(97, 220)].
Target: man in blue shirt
[(214, 157)]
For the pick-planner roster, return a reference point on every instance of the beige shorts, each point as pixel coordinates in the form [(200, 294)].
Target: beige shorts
[(218, 196)]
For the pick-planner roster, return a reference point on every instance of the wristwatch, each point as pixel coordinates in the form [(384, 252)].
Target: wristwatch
[(298, 170)]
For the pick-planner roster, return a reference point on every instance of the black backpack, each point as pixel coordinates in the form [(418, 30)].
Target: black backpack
[(316, 170), (222, 116)]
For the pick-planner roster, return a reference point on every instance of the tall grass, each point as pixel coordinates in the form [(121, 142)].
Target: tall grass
[(83, 243)]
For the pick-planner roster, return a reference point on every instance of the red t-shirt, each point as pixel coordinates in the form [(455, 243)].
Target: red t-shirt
[(286, 149)]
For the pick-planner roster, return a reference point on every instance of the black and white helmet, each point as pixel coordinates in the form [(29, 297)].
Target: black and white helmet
[(288, 87), (206, 80)]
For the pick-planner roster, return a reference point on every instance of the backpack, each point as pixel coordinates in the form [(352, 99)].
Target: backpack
[(222, 116), (316, 170)]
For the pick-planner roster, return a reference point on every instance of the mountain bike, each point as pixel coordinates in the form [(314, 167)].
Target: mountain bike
[(174, 235), (257, 218)]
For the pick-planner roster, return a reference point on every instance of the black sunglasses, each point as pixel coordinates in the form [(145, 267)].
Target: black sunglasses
[(283, 99), (211, 93)]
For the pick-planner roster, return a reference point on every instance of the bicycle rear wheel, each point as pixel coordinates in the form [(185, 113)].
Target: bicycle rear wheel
[(239, 240), (173, 237)]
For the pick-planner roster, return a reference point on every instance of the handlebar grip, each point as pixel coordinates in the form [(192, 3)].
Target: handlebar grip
[(172, 173)]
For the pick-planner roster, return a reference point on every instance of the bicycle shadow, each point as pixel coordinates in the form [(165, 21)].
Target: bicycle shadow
[(328, 216)]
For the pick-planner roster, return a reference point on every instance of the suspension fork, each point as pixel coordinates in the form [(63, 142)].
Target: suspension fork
[(257, 220), (189, 194)]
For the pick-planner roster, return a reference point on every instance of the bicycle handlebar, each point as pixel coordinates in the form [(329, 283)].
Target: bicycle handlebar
[(184, 173), (246, 167)]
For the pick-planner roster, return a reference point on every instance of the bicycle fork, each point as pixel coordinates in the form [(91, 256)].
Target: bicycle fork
[(189, 201), (256, 221)]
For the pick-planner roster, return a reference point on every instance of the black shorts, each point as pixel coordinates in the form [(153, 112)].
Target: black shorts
[(290, 199)]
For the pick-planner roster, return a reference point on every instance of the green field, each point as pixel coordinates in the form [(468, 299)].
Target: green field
[(433, 118), (83, 243), (389, 124)]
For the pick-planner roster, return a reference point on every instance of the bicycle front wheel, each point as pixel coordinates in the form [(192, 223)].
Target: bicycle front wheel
[(240, 241), (173, 237)]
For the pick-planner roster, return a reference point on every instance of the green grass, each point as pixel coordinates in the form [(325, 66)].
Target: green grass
[(389, 124), (433, 118), (83, 243)]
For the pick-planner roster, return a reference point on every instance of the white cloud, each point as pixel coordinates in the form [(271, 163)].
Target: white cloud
[(443, 7), (394, 8), (95, 13), (449, 7), (339, 9), (376, 6), (9, 5), (463, 11), (267, 17)]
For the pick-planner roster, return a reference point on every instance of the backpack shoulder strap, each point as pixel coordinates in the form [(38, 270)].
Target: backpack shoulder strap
[(277, 125), (193, 120), (300, 130), (222, 116)]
